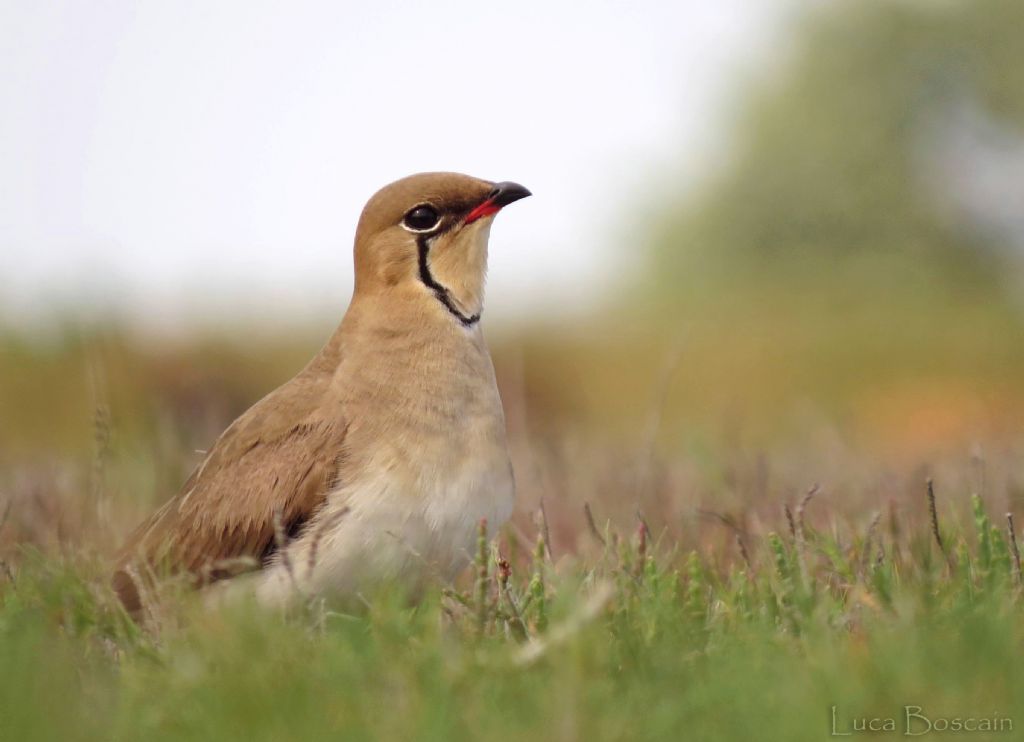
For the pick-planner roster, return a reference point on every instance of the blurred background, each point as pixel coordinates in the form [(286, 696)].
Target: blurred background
[(771, 243)]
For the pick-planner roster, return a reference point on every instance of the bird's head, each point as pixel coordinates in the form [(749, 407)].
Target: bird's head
[(428, 233)]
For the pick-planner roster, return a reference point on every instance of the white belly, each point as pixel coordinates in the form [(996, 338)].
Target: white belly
[(398, 525)]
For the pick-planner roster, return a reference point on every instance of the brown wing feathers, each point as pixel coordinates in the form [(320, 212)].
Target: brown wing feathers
[(277, 461)]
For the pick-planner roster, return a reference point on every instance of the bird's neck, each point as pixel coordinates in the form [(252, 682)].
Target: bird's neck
[(408, 317)]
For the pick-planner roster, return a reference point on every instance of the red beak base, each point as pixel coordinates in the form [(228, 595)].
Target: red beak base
[(487, 208), (503, 194)]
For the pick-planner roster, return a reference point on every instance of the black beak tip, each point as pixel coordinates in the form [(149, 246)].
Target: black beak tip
[(507, 192)]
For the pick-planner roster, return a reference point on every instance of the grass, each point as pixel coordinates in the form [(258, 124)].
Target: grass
[(649, 586), (639, 638)]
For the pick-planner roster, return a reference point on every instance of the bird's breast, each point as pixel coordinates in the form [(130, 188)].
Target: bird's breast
[(426, 459)]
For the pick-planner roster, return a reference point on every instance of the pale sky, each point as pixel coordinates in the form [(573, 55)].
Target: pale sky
[(180, 161)]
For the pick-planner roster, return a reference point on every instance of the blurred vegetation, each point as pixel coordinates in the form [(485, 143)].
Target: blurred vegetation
[(839, 166), (843, 253)]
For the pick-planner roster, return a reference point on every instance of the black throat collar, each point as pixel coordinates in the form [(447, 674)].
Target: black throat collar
[(441, 292)]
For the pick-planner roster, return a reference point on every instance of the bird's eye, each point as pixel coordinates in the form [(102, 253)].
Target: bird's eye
[(421, 218)]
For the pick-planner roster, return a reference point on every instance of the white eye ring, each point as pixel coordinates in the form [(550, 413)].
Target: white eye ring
[(412, 221)]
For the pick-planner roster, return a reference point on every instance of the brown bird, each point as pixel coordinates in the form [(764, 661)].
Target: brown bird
[(377, 461)]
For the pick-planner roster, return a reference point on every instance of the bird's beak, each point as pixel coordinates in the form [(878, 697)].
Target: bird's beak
[(502, 195)]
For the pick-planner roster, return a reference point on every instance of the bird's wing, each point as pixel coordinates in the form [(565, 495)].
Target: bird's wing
[(269, 471)]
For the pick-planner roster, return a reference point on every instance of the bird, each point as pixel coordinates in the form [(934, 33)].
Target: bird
[(379, 459)]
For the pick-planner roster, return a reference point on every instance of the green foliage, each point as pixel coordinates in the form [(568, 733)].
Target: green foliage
[(840, 251), (835, 166), (639, 643)]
